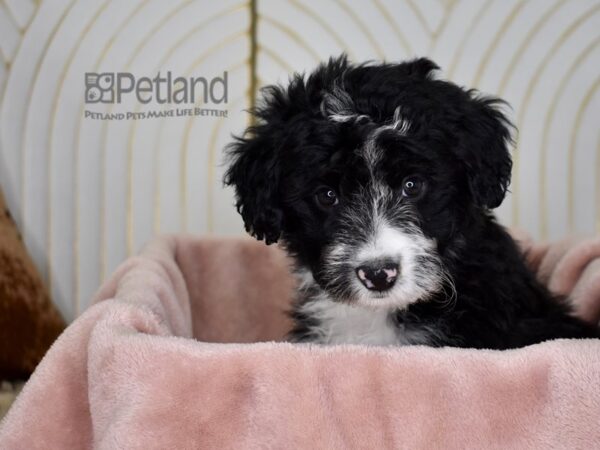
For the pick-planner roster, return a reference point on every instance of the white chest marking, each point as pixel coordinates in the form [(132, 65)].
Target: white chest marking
[(339, 323)]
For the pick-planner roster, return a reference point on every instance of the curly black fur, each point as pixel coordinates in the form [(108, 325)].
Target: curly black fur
[(361, 130)]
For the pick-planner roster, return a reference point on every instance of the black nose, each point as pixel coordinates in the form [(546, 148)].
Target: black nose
[(378, 275)]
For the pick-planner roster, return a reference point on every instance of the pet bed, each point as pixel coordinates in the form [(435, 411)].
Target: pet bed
[(168, 357)]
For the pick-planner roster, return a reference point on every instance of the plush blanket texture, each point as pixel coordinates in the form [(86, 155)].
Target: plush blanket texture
[(168, 357)]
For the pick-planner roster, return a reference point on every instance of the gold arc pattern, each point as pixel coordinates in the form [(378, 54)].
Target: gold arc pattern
[(308, 12), (543, 164), (2, 92), (178, 43), (598, 185), (588, 96), (77, 145), (362, 27), (183, 149), (508, 21), (186, 36), (52, 124), (187, 130), (212, 150), (134, 53), (533, 32), (189, 33), (388, 18), (421, 18), (292, 34), (49, 272), (529, 92), (448, 10), (253, 60), (483, 9), (510, 70), (275, 57), (11, 15)]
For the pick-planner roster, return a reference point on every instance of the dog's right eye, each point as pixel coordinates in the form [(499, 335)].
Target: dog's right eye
[(326, 197)]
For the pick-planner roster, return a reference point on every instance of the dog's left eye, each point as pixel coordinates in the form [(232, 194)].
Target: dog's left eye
[(413, 186), (327, 197)]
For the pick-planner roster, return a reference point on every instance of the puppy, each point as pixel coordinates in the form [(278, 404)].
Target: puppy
[(379, 179)]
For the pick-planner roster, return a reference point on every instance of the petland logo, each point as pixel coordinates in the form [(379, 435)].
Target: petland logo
[(114, 87)]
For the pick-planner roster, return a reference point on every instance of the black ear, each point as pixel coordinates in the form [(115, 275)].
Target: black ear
[(485, 138), (254, 173)]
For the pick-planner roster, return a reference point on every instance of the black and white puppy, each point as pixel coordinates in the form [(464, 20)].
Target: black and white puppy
[(379, 180)]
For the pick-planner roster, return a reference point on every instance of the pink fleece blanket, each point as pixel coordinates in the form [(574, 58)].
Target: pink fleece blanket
[(169, 357)]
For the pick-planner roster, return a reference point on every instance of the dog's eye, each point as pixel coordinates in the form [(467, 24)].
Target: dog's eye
[(327, 197), (413, 186)]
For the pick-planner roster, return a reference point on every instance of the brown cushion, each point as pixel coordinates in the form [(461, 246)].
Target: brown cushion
[(29, 322)]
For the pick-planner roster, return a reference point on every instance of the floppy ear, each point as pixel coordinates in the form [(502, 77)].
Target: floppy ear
[(485, 138), (254, 173)]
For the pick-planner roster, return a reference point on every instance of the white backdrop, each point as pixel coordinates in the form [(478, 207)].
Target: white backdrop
[(88, 193)]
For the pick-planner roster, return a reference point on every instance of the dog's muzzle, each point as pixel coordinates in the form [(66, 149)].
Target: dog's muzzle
[(378, 275)]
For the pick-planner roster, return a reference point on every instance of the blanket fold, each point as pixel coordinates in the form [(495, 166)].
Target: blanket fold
[(169, 357)]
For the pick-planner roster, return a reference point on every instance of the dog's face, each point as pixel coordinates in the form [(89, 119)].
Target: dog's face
[(372, 176)]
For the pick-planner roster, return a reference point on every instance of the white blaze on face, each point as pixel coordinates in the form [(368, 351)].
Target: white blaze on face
[(419, 273)]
